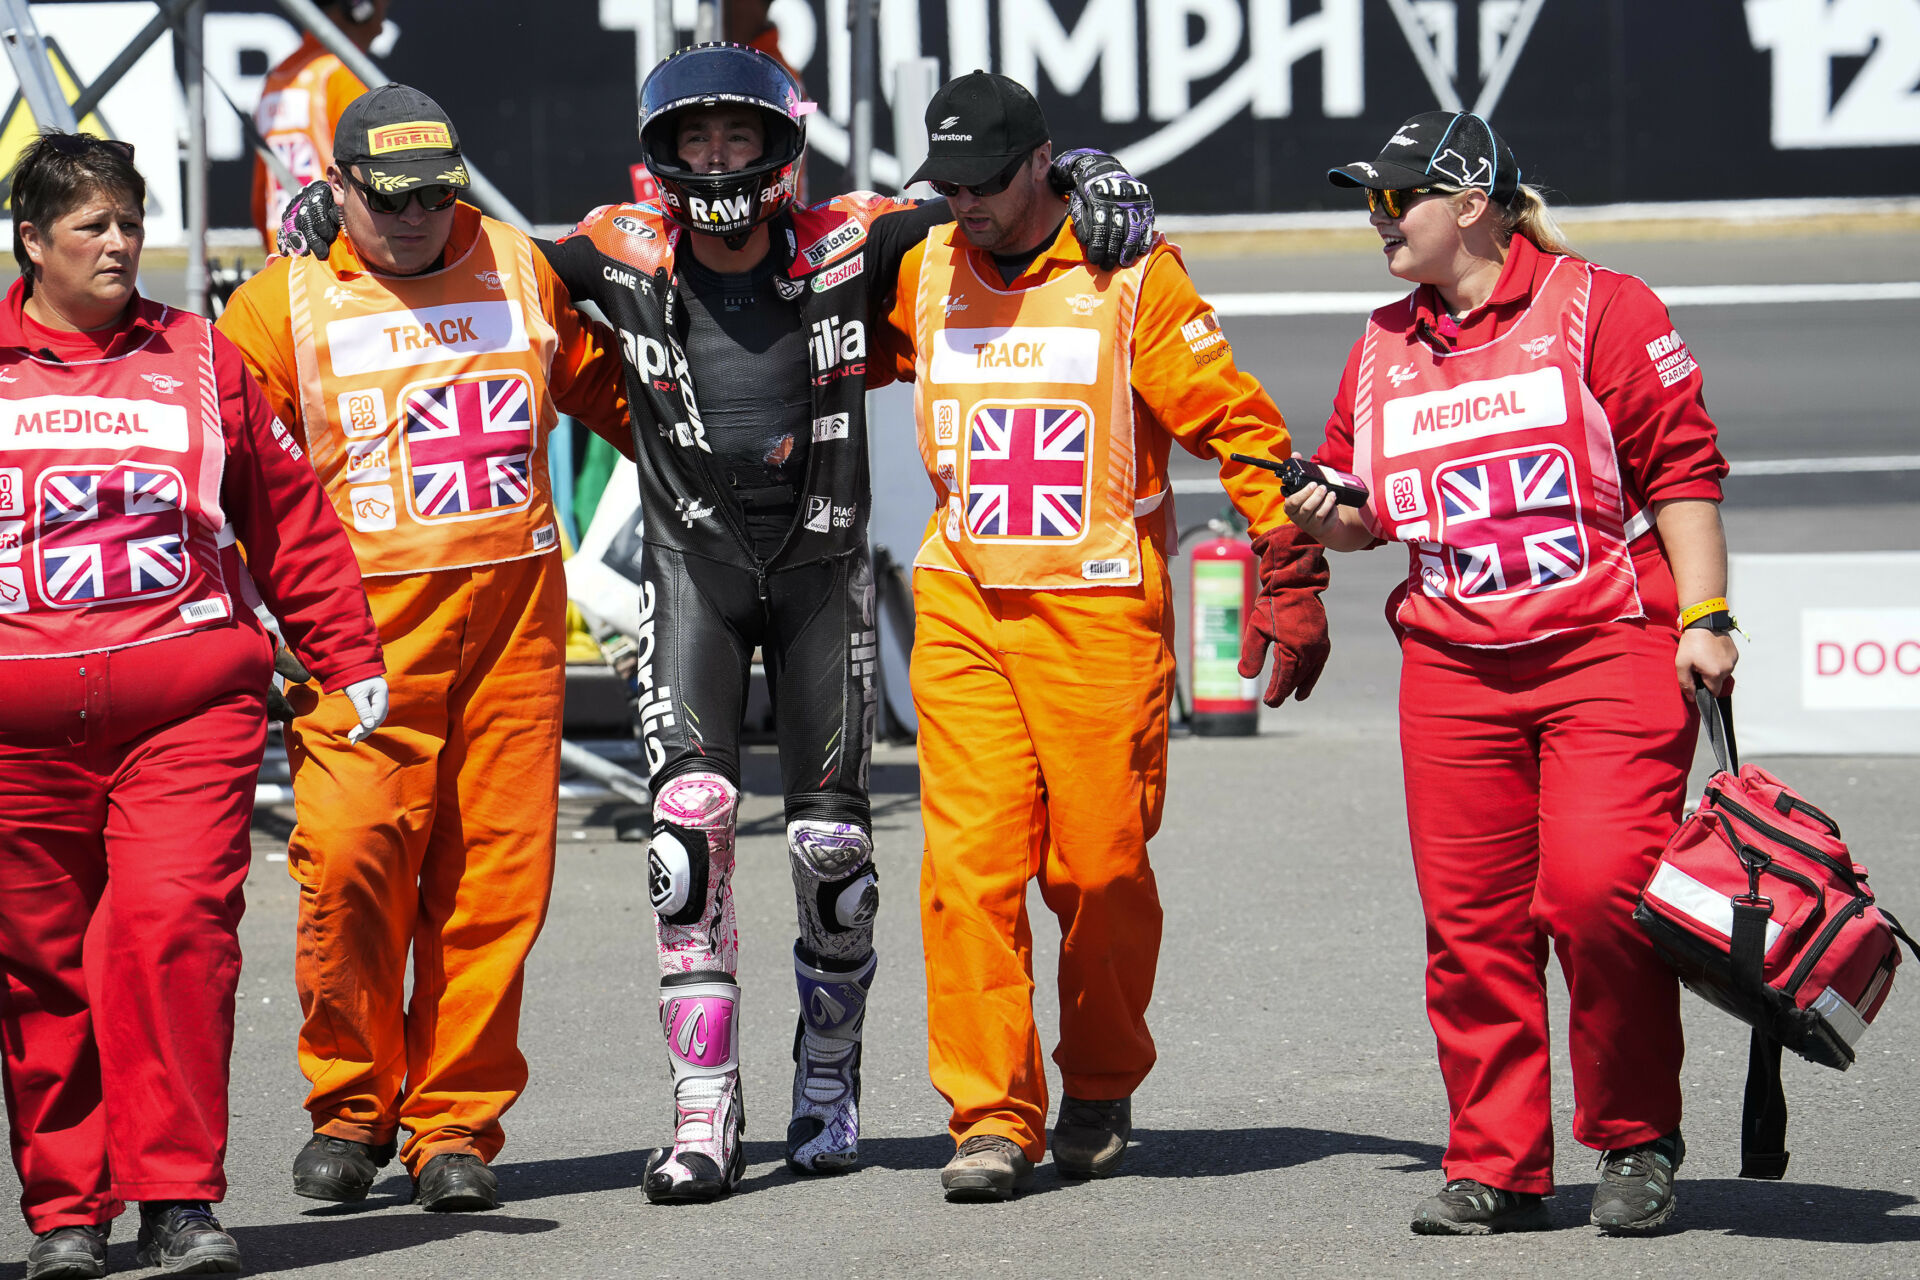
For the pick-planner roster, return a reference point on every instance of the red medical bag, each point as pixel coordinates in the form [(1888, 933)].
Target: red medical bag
[(1761, 909)]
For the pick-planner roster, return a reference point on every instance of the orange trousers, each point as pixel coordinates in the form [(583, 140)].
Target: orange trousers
[(1043, 752), (437, 833)]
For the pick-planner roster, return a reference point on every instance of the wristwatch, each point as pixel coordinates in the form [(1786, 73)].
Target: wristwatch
[(1712, 616), (1718, 623)]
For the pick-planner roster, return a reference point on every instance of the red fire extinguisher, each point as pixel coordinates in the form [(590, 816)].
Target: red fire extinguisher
[(1222, 581)]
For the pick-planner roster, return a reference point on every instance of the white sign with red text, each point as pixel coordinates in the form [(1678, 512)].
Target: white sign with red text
[(1866, 658), (1833, 667)]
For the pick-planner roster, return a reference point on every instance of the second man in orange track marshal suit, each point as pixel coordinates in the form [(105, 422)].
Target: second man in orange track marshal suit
[(425, 359), (1049, 394)]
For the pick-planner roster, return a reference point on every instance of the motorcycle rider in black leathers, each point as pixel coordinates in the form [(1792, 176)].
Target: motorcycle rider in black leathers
[(743, 317)]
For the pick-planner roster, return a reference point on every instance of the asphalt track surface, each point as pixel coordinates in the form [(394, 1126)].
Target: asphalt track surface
[(1296, 1114)]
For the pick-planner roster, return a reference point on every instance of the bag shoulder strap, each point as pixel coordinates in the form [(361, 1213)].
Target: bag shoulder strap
[(1763, 1113), (1717, 715), (1898, 932)]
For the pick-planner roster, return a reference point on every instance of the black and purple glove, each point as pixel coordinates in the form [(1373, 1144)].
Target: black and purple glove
[(310, 224), (1112, 210)]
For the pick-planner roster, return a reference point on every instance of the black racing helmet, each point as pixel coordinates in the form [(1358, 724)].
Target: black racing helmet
[(712, 75)]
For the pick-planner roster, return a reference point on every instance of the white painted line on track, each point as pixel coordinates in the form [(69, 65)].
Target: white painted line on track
[(1743, 211), (1208, 485), (1360, 303), (1821, 466)]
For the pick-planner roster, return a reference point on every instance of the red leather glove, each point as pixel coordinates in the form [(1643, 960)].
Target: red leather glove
[(1287, 614)]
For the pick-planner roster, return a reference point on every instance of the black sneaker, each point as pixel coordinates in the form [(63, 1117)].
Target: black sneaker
[(182, 1238), (1635, 1192), (68, 1253), (1090, 1137), (1467, 1208), (338, 1169), (456, 1182)]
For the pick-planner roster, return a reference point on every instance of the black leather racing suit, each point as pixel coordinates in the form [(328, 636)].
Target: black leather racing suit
[(754, 492)]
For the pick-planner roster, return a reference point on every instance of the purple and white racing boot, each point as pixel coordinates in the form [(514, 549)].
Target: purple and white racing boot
[(824, 1135), (698, 1013)]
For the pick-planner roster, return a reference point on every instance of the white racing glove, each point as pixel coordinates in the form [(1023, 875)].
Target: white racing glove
[(369, 698)]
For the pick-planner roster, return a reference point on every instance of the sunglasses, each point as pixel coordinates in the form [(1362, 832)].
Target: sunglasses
[(432, 198), (991, 187), (78, 144), (1395, 203)]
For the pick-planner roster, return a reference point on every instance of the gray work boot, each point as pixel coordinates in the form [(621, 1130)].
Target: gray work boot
[(1090, 1138), (987, 1167)]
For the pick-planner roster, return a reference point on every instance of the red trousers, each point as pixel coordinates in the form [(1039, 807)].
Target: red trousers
[(126, 791), (1542, 783)]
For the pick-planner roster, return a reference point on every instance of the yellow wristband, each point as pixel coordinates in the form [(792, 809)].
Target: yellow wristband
[(1693, 613)]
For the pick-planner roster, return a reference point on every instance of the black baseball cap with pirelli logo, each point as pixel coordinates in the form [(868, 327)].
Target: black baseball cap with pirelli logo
[(400, 139)]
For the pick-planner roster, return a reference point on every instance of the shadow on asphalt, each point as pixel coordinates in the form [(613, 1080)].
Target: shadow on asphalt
[(1155, 1153), (289, 1246), (1798, 1211), (766, 1165), (1222, 1153)]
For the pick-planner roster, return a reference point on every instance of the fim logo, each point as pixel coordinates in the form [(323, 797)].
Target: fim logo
[(1537, 347), (1084, 303), (491, 279), (165, 384)]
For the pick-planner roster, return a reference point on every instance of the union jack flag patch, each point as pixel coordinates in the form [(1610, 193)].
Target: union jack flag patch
[(469, 447), (1511, 523), (108, 534), (1027, 471)]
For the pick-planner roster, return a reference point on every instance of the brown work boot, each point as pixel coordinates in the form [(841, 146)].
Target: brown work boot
[(986, 1167), (1090, 1138)]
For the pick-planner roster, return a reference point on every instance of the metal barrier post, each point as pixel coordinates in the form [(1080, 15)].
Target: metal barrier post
[(710, 22), (193, 84), (915, 81), (28, 53), (863, 18)]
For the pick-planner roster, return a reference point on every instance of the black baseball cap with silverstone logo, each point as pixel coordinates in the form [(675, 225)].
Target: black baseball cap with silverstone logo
[(977, 126), (401, 139), (1455, 147)]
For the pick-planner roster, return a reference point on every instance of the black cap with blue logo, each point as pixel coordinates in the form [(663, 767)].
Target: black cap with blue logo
[(1455, 147)]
